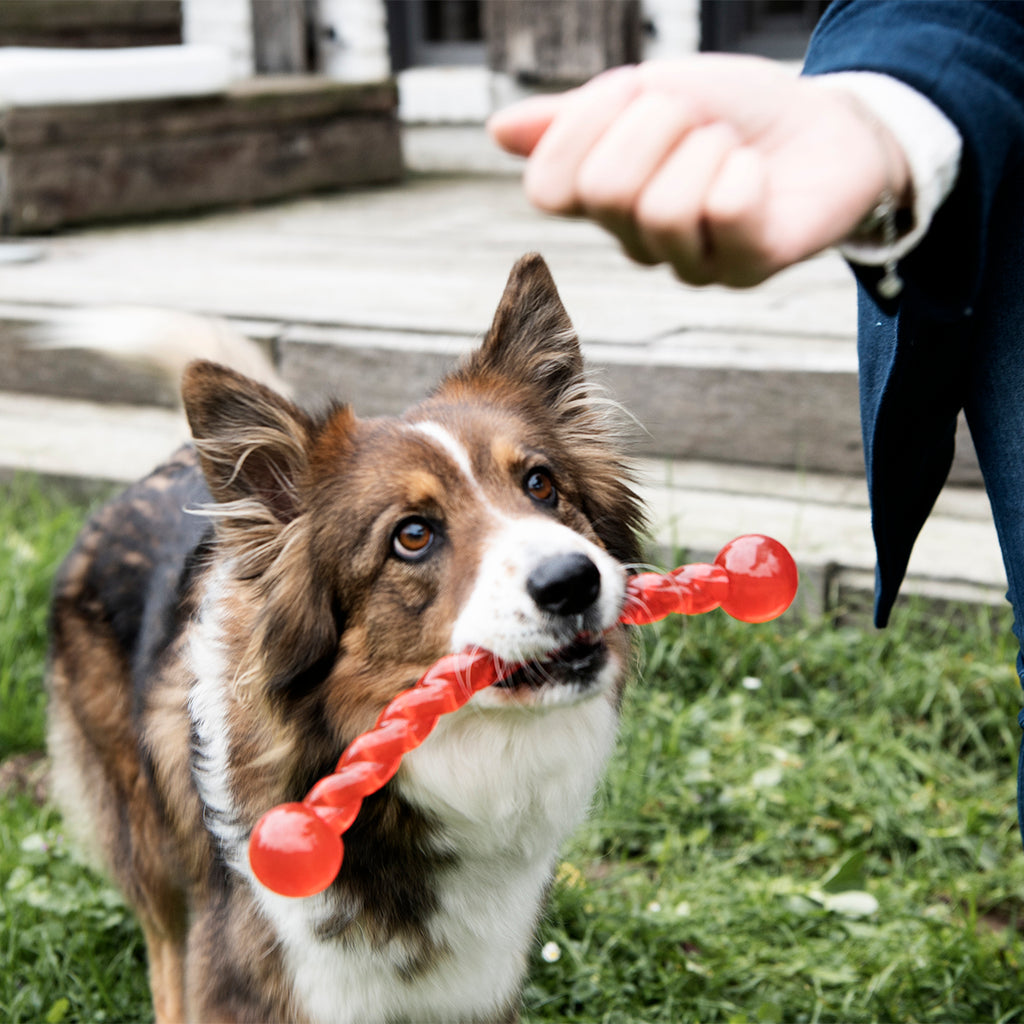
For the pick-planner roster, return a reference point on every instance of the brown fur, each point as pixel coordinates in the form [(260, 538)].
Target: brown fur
[(319, 628)]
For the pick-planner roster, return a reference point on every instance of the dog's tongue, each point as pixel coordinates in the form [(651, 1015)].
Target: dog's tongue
[(296, 848)]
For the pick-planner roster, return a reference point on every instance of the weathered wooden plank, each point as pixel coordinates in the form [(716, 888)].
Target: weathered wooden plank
[(265, 139), (257, 102), (49, 188), (90, 23)]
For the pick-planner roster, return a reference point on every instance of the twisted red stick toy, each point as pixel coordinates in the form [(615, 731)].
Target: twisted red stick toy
[(296, 848)]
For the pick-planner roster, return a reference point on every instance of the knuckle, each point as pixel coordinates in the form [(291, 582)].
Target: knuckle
[(601, 190), (658, 216), (546, 191)]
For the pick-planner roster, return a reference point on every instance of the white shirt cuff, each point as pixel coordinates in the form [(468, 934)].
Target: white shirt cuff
[(929, 140)]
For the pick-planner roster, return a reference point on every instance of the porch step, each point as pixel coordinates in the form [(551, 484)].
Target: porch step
[(696, 506), (705, 394)]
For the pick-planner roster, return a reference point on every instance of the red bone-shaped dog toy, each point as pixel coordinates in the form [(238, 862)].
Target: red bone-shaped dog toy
[(296, 848)]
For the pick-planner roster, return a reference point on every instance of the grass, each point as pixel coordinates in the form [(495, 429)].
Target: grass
[(801, 823), (37, 527), (70, 949)]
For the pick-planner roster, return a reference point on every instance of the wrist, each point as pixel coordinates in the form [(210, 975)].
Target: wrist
[(926, 147), (894, 201), (891, 214)]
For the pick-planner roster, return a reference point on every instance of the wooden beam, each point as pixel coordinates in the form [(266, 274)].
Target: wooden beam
[(266, 139), (90, 23)]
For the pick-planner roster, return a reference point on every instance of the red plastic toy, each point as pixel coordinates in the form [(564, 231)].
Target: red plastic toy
[(296, 848)]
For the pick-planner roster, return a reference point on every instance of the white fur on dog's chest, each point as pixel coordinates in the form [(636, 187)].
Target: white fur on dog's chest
[(504, 785), (504, 823)]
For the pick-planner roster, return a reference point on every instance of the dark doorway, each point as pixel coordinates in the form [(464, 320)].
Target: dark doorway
[(771, 28)]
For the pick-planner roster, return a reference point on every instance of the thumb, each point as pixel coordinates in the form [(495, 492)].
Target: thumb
[(519, 127)]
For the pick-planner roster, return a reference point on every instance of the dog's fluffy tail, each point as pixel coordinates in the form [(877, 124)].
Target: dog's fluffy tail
[(159, 339)]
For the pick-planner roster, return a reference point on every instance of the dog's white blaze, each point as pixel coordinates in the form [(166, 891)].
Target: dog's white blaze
[(453, 449), (458, 453)]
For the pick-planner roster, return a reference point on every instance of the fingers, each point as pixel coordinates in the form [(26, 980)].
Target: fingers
[(671, 192), (740, 249), (671, 211), (619, 166), (677, 168), (639, 163), (518, 128), (716, 229), (583, 118)]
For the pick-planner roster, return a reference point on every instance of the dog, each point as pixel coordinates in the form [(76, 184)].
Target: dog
[(223, 629)]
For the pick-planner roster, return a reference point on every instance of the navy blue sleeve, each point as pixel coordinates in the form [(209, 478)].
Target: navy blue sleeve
[(967, 57)]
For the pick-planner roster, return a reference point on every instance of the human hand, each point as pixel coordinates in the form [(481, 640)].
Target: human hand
[(728, 168)]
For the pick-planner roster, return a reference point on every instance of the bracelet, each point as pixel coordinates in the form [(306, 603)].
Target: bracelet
[(890, 284), (880, 223)]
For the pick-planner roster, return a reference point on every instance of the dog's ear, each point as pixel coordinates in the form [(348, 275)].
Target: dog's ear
[(254, 446), (532, 344), (252, 442), (531, 340)]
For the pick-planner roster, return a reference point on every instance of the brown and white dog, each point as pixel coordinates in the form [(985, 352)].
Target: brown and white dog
[(207, 667)]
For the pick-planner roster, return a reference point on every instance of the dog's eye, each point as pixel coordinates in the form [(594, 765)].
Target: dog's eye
[(412, 539), (539, 486)]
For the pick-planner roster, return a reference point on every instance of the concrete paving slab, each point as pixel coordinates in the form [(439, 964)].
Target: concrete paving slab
[(696, 507), (87, 441), (742, 397)]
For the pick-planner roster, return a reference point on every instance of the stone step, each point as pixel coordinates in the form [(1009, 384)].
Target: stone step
[(825, 521), (703, 394), (696, 506)]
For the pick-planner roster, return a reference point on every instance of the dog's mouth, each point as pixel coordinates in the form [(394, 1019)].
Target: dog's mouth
[(576, 665)]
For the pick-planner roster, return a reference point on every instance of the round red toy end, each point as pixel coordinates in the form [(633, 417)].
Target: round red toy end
[(293, 852), (762, 578)]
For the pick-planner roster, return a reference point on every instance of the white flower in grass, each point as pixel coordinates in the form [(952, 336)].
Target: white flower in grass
[(551, 952), (852, 903), (767, 778)]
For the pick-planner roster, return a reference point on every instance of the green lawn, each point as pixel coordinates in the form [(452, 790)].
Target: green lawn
[(802, 823)]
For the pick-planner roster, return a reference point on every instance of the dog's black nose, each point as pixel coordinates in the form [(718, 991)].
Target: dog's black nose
[(565, 584)]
